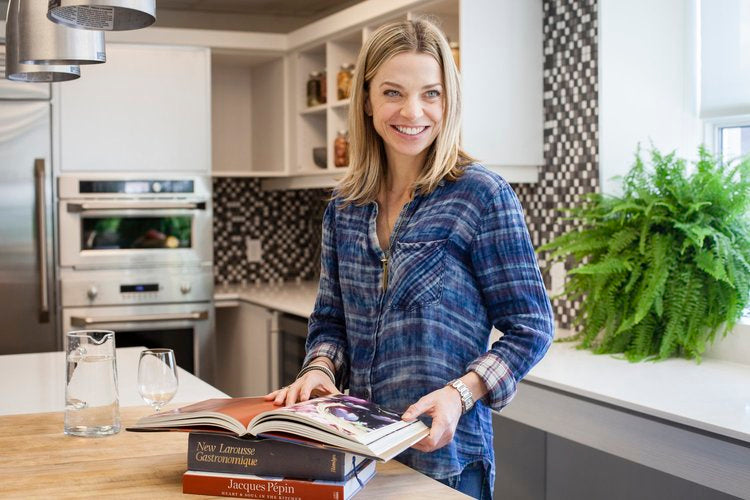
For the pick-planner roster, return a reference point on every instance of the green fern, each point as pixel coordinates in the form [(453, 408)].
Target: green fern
[(663, 268)]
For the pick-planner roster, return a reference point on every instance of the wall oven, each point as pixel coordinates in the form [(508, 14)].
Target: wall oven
[(136, 257), (115, 222), (152, 308)]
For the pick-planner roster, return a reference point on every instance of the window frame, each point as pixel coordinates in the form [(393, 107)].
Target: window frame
[(713, 126)]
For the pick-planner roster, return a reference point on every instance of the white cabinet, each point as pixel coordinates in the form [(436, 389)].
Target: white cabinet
[(244, 350), (147, 109), (502, 65), (501, 68)]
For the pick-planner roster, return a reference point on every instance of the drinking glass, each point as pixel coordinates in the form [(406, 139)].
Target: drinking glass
[(157, 377), (91, 401)]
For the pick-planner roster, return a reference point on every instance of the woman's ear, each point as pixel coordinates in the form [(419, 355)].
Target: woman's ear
[(368, 107)]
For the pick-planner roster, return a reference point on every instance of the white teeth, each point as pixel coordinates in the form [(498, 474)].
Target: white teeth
[(410, 130)]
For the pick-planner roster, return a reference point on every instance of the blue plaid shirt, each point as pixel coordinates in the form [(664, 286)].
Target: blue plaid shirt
[(461, 262)]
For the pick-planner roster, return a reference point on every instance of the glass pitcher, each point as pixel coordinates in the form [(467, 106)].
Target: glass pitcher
[(91, 399)]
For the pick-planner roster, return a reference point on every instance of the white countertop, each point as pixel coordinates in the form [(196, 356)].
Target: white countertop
[(32, 383), (713, 396), (292, 298)]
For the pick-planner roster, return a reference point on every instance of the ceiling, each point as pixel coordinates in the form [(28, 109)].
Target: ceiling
[(275, 16), (295, 8), (278, 16)]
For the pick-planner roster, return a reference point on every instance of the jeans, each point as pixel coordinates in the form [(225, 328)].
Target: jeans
[(472, 481)]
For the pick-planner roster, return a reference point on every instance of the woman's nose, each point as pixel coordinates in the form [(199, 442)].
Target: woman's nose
[(411, 109)]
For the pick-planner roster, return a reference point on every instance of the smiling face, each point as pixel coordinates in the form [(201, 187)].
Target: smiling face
[(405, 100)]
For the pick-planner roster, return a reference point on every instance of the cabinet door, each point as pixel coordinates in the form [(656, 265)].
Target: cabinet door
[(501, 66), (243, 350), (147, 109)]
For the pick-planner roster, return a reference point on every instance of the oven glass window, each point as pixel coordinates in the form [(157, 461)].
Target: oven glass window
[(108, 233), (179, 340)]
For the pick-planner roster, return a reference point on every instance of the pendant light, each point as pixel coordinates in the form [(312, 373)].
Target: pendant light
[(30, 72), (43, 42), (104, 15)]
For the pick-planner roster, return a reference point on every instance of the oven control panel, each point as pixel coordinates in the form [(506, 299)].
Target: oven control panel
[(108, 288)]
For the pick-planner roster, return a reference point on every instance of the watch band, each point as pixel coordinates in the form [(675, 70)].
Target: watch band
[(467, 400)]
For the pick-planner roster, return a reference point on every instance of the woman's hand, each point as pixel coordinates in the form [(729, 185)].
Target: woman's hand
[(444, 406), (313, 383)]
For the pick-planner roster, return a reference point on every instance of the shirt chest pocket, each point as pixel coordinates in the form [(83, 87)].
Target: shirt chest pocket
[(417, 274)]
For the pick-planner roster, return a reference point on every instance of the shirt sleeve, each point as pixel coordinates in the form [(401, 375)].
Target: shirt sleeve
[(327, 327), (506, 269)]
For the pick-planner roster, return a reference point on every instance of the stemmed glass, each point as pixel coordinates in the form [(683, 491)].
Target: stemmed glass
[(157, 377)]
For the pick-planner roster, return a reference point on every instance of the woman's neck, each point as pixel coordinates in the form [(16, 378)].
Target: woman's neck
[(402, 173)]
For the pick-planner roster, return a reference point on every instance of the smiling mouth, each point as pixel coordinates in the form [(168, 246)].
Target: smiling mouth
[(410, 130)]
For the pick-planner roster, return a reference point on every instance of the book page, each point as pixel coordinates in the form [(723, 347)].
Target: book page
[(342, 414)]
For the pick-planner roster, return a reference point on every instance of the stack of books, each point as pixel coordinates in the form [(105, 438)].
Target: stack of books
[(323, 448)]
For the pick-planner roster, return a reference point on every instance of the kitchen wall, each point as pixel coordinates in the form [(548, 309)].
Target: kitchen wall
[(288, 223)]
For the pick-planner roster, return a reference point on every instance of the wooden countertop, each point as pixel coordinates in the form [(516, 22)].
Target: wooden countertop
[(38, 460)]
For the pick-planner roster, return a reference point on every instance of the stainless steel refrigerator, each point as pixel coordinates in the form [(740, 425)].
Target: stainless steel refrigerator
[(27, 292)]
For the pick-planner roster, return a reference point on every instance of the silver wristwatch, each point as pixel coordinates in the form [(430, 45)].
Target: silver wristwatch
[(467, 400)]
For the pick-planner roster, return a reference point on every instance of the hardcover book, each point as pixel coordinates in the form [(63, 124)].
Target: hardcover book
[(344, 422), (225, 453), (249, 486)]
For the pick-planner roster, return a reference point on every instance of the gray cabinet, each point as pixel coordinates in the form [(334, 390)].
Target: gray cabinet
[(532, 464), (243, 350)]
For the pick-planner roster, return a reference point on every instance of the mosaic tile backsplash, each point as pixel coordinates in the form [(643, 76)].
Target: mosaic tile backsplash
[(288, 222), (571, 130)]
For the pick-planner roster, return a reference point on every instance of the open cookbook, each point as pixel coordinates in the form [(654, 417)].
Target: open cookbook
[(344, 422)]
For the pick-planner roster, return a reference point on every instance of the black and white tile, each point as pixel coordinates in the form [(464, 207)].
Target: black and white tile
[(571, 131), (287, 223)]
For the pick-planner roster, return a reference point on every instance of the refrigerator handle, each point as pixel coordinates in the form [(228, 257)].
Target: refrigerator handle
[(40, 178)]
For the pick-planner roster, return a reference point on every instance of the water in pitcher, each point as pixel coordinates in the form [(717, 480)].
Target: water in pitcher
[(91, 402)]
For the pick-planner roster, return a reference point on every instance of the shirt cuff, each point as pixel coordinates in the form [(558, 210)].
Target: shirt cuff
[(332, 351), (498, 379)]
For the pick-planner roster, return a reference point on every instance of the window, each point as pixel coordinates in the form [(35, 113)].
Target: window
[(734, 142), (728, 136)]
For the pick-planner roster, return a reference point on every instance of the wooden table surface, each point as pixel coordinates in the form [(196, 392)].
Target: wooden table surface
[(38, 460)]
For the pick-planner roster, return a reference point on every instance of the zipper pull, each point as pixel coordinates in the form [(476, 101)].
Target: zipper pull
[(384, 260)]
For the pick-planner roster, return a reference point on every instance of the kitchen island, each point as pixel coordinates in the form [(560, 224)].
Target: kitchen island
[(38, 460)]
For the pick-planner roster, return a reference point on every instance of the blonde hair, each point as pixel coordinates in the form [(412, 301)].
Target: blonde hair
[(367, 161)]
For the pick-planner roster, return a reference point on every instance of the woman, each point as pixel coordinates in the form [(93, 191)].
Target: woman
[(423, 252)]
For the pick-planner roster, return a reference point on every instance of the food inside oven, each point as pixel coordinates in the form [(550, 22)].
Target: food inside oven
[(117, 233)]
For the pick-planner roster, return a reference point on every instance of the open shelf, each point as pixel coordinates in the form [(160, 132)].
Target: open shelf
[(247, 125)]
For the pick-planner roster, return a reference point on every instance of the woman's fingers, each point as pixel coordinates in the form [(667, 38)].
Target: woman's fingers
[(271, 395), (292, 393), (313, 383), (280, 396)]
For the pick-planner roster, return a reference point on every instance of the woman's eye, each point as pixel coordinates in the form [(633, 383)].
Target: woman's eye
[(391, 93), (433, 93)]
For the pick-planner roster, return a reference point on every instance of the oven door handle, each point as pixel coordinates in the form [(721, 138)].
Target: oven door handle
[(84, 321), (135, 205)]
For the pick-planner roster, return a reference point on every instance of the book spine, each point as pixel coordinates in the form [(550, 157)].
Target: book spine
[(221, 453), (260, 488)]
